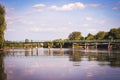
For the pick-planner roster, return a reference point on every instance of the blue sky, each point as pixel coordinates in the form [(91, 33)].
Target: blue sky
[(54, 19)]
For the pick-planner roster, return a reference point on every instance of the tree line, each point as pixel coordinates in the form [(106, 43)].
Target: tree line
[(114, 33)]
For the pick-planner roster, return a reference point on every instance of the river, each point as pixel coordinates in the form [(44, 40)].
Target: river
[(59, 64)]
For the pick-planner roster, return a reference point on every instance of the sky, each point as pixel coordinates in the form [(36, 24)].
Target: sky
[(55, 19)]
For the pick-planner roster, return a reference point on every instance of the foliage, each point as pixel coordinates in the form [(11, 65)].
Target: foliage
[(90, 37), (26, 40), (100, 35), (75, 36), (114, 33), (2, 25)]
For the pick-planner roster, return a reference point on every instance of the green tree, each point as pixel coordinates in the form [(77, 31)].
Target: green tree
[(90, 37), (115, 33), (26, 40), (100, 35), (2, 25), (58, 43), (75, 36)]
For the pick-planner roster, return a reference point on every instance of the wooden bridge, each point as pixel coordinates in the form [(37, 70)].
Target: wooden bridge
[(84, 43)]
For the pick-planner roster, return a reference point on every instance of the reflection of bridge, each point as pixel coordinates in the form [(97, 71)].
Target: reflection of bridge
[(84, 43)]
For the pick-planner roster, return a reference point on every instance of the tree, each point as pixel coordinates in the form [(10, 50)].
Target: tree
[(26, 40), (58, 43), (2, 25), (100, 35), (90, 37), (114, 33), (75, 36)]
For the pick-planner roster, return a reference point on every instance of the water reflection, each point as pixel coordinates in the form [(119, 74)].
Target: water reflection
[(112, 58), (64, 64), (3, 75)]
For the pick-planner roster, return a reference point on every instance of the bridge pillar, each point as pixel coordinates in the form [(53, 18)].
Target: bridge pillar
[(85, 47), (49, 45), (41, 44), (60, 45), (109, 46), (73, 45), (96, 45)]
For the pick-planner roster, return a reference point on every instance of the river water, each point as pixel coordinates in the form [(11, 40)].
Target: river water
[(59, 64)]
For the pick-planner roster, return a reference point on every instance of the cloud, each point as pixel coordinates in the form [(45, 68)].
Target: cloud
[(37, 29), (39, 10), (88, 18), (94, 5), (67, 7), (50, 29), (85, 25), (8, 10), (116, 8), (10, 30), (118, 3), (39, 6), (93, 31), (26, 22)]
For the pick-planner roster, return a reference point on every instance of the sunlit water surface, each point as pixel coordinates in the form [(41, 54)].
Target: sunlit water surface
[(60, 64)]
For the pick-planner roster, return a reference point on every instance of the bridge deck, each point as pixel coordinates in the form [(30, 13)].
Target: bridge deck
[(70, 41)]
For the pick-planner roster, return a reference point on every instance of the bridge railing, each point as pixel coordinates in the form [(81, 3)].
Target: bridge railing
[(69, 41), (92, 41)]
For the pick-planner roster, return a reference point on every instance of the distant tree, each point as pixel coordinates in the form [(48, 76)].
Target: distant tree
[(100, 35), (58, 42), (26, 40), (115, 33), (90, 37), (75, 36), (2, 25)]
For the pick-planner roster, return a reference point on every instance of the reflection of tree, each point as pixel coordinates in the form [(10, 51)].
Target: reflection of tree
[(27, 52), (113, 58), (58, 53), (3, 75), (76, 56)]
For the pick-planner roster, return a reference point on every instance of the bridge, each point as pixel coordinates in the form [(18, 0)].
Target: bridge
[(84, 43)]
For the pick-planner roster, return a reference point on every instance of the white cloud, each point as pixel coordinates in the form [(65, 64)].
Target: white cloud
[(26, 22), (116, 8), (37, 29), (88, 18), (68, 7), (10, 30), (93, 31), (39, 10), (39, 6), (50, 29), (9, 10), (94, 5), (100, 22), (85, 25)]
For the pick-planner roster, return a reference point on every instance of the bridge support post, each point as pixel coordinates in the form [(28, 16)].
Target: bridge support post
[(85, 46), (109, 46), (48, 45), (60, 45), (96, 45), (41, 44), (73, 45)]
